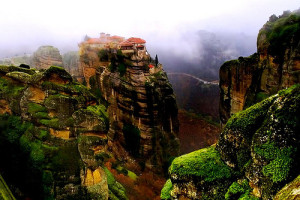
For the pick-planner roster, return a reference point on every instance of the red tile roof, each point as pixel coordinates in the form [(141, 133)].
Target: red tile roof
[(126, 44), (94, 41), (136, 40)]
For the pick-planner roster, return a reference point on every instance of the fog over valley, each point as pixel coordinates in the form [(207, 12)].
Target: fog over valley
[(182, 34)]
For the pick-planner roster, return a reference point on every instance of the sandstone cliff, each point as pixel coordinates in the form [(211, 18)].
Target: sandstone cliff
[(275, 66), (53, 137), (142, 107), (45, 57), (256, 155)]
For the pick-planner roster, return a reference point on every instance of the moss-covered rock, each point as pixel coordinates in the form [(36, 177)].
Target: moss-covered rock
[(38, 135), (200, 175), (204, 163), (20, 76), (257, 154)]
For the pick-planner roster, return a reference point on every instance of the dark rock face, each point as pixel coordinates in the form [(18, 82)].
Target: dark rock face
[(257, 154), (53, 129), (144, 100), (276, 65), (45, 57)]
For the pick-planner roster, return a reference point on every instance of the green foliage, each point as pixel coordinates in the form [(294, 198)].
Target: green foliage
[(122, 69), (52, 123), (102, 157), (38, 111), (239, 190), (261, 96), (99, 110), (282, 33), (156, 60), (67, 158), (103, 55), (132, 135), (165, 192), (12, 127), (34, 108), (117, 191), (280, 160), (37, 155), (205, 163), (7, 69), (9, 89)]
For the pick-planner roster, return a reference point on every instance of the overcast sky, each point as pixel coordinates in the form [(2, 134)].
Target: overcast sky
[(27, 24)]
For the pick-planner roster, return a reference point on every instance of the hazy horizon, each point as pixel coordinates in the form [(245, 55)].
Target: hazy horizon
[(26, 25)]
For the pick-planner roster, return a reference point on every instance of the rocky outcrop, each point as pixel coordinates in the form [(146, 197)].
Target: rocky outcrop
[(256, 155), (142, 107), (45, 57), (53, 136), (275, 66), (144, 101)]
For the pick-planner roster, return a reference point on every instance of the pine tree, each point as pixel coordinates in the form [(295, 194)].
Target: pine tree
[(156, 60)]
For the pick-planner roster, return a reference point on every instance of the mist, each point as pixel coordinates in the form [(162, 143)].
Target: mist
[(184, 34)]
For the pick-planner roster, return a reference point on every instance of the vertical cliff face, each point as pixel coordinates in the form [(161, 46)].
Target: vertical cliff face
[(142, 107), (45, 57), (276, 65), (145, 101)]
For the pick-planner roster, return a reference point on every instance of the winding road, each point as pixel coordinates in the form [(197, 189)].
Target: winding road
[(194, 77)]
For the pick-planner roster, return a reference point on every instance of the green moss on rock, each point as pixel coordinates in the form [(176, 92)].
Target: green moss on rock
[(205, 163), (117, 191), (165, 192), (240, 190), (7, 69), (60, 71), (20, 76), (52, 123)]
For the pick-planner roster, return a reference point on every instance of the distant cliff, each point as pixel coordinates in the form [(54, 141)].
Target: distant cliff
[(275, 66), (45, 57)]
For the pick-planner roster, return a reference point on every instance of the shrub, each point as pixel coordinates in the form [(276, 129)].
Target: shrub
[(132, 137), (165, 192), (122, 69), (103, 55)]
